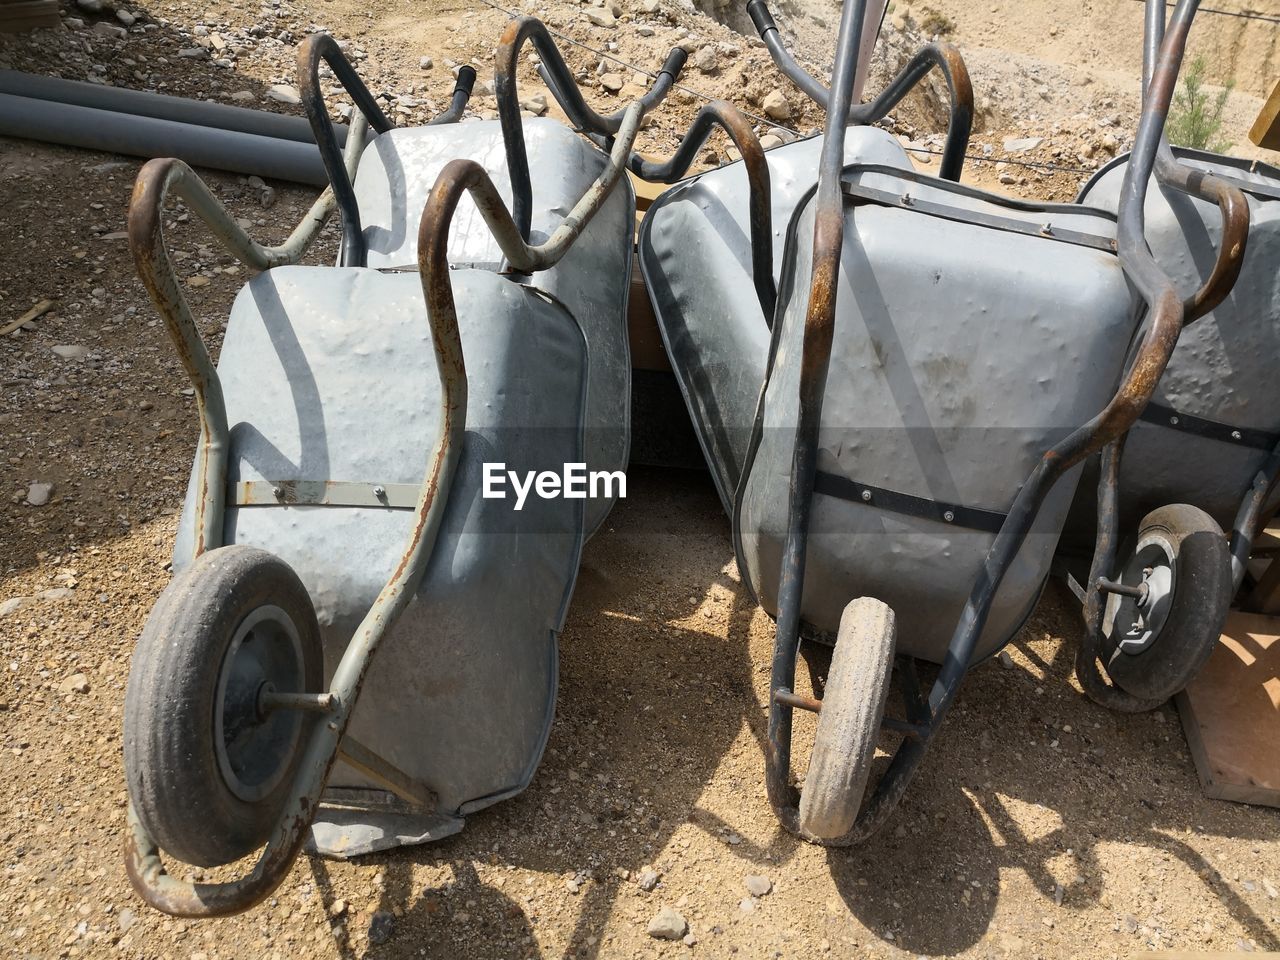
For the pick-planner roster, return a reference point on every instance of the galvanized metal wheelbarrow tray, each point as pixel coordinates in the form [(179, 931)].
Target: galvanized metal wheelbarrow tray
[(929, 432), (1204, 456), (312, 539)]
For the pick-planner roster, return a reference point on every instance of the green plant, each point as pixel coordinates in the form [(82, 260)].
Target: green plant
[(936, 23), (1195, 117)]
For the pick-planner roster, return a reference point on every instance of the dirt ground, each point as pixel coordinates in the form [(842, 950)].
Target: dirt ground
[(1040, 826)]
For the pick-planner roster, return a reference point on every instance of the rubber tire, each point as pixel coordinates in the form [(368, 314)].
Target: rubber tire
[(1201, 600), (853, 705), (170, 758)]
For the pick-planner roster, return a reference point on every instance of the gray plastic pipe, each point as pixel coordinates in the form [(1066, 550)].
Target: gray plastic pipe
[(143, 104), (140, 136)]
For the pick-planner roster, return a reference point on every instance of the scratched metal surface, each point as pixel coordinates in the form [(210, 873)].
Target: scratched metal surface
[(961, 353), (1224, 367), (695, 250), (329, 374), (397, 171)]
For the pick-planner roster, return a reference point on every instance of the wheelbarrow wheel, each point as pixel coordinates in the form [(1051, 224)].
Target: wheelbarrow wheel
[(849, 723), (209, 767), (1153, 647)]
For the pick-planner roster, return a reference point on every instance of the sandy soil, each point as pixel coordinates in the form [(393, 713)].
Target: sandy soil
[(1041, 825)]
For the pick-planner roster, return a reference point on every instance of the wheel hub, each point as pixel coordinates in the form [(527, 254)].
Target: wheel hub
[(1135, 621), (254, 746)]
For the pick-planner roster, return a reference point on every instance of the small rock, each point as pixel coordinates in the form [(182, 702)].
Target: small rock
[(1129, 923), (337, 908), (1006, 661), (90, 6), (769, 141), (284, 93), (776, 107), (649, 6), (194, 53), (38, 493), (424, 63), (645, 31), (746, 904), (56, 593), (13, 605), (537, 104), (110, 30), (648, 880), (1267, 885), (757, 885), (76, 683), (242, 95), (612, 82), (601, 17), (668, 925), (705, 60), (734, 839), (1110, 143), (1021, 144), (381, 925), (126, 18), (125, 919), (690, 940), (1008, 178), (197, 281)]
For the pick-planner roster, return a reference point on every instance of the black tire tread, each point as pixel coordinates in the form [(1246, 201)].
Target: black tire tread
[(169, 756)]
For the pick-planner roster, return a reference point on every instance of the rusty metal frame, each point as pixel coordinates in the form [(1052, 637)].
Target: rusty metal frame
[(338, 165), (559, 80), (944, 56), (324, 745), (1166, 313), (146, 241), (1234, 207)]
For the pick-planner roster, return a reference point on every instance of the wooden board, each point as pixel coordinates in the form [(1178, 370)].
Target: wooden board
[(18, 15), (647, 351), (1231, 713), (1266, 129)]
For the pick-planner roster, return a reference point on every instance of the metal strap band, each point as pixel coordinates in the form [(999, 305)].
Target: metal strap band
[(857, 192), (969, 518), (323, 493), (1209, 429)]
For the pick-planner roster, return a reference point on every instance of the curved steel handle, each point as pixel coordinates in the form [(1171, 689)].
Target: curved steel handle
[(466, 82), (151, 257), (759, 200), (945, 57), (948, 60), (146, 870), (322, 46), (1234, 207), (562, 86)]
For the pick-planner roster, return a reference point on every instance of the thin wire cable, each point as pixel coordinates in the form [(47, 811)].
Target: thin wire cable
[(1029, 164), (1241, 14)]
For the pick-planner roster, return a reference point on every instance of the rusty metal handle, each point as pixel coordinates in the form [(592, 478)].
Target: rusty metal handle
[(146, 241), (948, 60), (563, 87), (1234, 207), (146, 870), (728, 118)]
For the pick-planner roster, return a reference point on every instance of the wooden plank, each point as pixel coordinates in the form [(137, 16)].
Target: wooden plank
[(1231, 713), (1266, 129), (1265, 596), (647, 350), (18, 15)]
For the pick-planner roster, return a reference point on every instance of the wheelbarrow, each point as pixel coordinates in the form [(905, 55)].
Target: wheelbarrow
[(737, 216), (1204, 455), (337, 507), (915, 410)]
